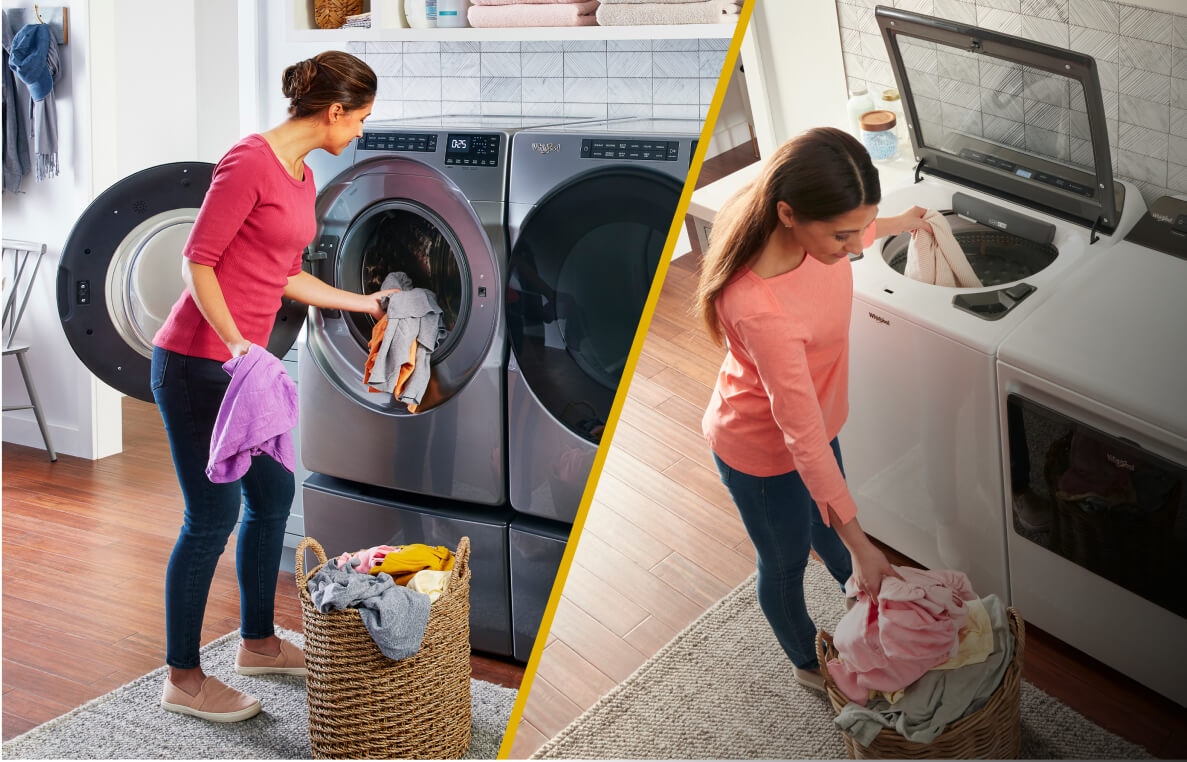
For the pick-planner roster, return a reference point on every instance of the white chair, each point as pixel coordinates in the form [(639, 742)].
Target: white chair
[(21, 262)]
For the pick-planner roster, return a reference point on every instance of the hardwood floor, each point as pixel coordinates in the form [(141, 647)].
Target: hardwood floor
[(85, 544), (662, 542)]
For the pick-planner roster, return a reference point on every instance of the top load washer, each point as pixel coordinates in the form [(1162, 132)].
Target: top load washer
[(590, 208), (1010, 138), (1091, 388), (427, 197)]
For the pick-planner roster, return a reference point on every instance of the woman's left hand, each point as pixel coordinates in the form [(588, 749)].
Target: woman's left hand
[(374, 305)]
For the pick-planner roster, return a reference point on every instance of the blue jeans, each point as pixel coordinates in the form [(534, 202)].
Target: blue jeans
[(189, 391), (784, 523)]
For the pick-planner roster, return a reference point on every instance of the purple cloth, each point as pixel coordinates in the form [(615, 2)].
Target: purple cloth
[(256, 417)]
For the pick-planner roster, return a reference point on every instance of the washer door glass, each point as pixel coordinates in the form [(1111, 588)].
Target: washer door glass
[(580, 273), (395, 215), (120, 273)]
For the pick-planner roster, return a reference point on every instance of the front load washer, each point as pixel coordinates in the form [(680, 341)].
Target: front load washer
[(1091, 392), (1010, 136), (590, 207), (427, 197)]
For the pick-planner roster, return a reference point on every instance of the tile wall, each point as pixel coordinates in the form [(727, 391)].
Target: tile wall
[(1141, 56), (585, 78)]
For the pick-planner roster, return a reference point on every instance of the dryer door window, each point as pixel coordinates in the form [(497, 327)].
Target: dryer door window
[(580, 273), (1102, 502)]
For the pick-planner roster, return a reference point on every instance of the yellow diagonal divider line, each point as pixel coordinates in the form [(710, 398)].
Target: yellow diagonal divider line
[(628, 372)]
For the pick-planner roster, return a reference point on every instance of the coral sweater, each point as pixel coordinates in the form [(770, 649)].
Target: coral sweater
[(252, 228), (782, 393)]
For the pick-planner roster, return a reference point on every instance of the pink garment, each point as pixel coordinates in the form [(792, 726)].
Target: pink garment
[(534, 14), (937, 257), (256, 417), (367, 558), (914, 628)]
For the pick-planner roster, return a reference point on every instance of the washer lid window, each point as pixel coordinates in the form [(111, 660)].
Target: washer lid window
[(1012, 117)]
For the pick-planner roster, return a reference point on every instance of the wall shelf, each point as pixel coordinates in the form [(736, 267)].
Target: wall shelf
[(385, 26)]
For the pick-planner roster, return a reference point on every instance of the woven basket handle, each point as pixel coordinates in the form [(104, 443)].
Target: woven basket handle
[(461, 561), (299, 563), (1019, 630), (824, 642)]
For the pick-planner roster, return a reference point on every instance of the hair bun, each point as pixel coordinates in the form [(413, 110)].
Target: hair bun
[(298, 78)]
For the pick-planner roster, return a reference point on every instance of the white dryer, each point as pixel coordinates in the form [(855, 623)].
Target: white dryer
[(1010, 136), (1091, 399), (589, 209)]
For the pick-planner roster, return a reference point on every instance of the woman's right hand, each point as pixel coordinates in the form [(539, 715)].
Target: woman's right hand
[(239, 348), (870, 567)]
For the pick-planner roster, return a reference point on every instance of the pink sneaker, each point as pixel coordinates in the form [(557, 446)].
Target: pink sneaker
[(290, 661), (216, 701)]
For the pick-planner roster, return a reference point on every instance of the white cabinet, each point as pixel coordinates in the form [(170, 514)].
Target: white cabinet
[(386, 24)]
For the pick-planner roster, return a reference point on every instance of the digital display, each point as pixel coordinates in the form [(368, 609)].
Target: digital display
[(1023, 173), (472, 150)]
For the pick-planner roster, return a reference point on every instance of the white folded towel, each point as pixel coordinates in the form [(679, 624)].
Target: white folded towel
[(661, 12), (937, 258), (533, 14)]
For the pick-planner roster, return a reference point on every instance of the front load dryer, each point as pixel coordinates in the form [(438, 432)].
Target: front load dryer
[(1010, 140), (590, 207), (1091, 390), (425, 197)]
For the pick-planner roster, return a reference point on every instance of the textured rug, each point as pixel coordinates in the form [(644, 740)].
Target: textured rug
[(128, 723), (723, 689)]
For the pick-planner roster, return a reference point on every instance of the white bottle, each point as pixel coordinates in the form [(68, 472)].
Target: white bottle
[(452, 13), (421, 14), (860, 103)]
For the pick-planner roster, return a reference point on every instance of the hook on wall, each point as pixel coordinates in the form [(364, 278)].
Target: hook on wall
[(58, 19)]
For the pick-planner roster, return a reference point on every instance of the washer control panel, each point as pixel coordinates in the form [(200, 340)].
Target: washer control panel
[(640, 150), (472, 150), (424, 142)]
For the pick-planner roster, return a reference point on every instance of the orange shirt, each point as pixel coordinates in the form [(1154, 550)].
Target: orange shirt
[(782, 393)]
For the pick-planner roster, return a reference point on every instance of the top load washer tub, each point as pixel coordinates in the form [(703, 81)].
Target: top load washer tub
[(1010, 137), (1091, 388)]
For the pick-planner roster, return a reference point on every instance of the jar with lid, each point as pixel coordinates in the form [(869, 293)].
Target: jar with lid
[(890, 101), (877, 135), (859, 103)]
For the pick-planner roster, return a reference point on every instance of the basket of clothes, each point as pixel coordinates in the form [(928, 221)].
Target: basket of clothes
[(331, 14), (934, 673), (387, 651)]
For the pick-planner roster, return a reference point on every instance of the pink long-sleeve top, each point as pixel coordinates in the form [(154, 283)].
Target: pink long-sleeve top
[(252, 228), (782, 393)]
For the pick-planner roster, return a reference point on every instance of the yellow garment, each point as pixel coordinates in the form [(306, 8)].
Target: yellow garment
[(407, 560), (975, 638), (431, 583)]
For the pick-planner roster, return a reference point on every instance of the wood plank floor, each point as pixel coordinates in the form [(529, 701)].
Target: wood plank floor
[(662, 542), (105, 529)]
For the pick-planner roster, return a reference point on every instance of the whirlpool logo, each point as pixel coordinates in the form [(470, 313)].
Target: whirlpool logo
[(546, 148), (879, 319)]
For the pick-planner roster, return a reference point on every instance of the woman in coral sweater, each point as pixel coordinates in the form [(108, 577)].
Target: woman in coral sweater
[(243, 254), (776, 285)]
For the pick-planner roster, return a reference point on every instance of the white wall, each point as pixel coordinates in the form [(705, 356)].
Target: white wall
[(132, 96)]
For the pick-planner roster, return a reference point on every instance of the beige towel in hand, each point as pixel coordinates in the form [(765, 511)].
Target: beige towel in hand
[(937, 258)]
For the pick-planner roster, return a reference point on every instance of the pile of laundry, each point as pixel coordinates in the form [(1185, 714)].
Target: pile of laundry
[(928, 653), (663, 12), (393, 588), (515, 13), (402, 342)]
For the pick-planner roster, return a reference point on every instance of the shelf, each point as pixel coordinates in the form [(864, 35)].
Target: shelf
[(385, 19)]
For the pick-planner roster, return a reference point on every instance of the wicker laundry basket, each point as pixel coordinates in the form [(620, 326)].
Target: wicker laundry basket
[(363, 705), (331, 14), (992, 732)]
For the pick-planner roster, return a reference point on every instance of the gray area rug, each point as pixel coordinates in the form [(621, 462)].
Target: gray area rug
[(128, 723), (723, 689)]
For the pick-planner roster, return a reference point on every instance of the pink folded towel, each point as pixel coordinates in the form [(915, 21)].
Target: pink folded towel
[(937, 258), (661, 12), (537, 14)]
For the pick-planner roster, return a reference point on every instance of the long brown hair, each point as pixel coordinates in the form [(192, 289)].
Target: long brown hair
[(821, 173), (315, 84)]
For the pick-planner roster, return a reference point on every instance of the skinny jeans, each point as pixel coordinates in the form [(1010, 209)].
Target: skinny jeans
[(783, 523), (188, 391)]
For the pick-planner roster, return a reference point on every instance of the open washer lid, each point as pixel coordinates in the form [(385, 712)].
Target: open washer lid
[(1019, 119)]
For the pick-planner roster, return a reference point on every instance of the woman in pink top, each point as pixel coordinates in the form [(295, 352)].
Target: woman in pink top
[(242, 256), (776, 285)]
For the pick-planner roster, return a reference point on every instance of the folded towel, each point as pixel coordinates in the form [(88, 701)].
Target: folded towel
[(653, 13), (539, 14), (530, 2), (937, 258), (672, 2)]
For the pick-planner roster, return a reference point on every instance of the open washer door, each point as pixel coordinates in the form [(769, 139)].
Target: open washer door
[(120, 273)]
